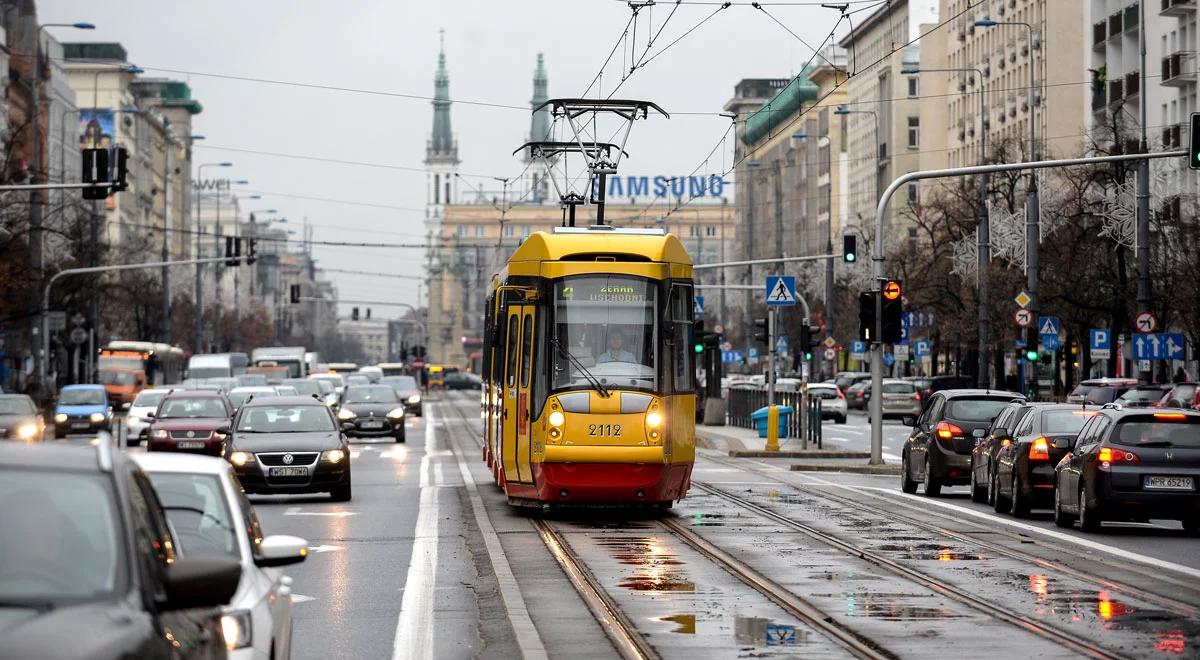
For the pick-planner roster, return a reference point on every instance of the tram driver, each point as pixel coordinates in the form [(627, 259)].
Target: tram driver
[(615, 352)]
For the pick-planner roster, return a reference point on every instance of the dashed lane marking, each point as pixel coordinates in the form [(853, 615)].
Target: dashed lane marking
[(414, 627)]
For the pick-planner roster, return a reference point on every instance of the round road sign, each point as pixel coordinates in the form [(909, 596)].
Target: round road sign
[(1023, 317), (1146, 322), (78, 335), (891, 290), (830, 354)]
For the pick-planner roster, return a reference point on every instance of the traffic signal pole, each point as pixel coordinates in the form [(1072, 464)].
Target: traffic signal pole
[(878, 252)]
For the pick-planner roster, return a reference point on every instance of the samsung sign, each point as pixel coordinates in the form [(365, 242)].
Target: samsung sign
[(634, 186)]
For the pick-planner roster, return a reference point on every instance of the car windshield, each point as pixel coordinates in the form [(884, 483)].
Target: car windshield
[(87, 397), (1161, 430), (188, 407), (975, 410), (898, 388), (252, 380), (238, 397), (16, 405), (607, 324), (1182, 394), (285, 390), (822, 392), (61, 540), (1064, 422), (304, 387), (373, 394), (149, 399), (286, 419), (116, 378), (357, 379), (1141, 396), (401, 382), (197, 512)]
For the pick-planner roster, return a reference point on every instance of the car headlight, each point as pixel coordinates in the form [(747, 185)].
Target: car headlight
[(345, 414), (654, 420), (397, 413), (333, 455), (236, 628), (61, 418), (133, 419), (161, 434), (416, 398), (96, 417), (27, 431), (557, 418), (240, 458)]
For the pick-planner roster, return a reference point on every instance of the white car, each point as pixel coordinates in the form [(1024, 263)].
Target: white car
[(833, 402), (211, 515), (136, 420)]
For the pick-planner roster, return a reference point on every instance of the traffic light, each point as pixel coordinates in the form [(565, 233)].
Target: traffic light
[(1194, 143), (95, 170), (251, 251), (866, 315), (233, 251), (354, 314), (762, 332), (893, 311), (808, 339), (121, 180), (849, 248), (295, 293), (1032, 355)]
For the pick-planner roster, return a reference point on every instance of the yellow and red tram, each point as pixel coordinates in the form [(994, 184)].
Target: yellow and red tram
[(589, 382)]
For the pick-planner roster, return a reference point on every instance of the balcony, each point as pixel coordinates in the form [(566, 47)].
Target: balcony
[(1114, 25), (1131, 17), (1133, 83), (1098, 99), (1172, 137), (1099, 35), (1178, 7), (1179, 69), (1116, 91)]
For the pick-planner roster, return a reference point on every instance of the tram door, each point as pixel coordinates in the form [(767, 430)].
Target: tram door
[(518, 367)]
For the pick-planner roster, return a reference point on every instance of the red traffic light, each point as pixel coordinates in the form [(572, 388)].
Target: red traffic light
[(891, 290)]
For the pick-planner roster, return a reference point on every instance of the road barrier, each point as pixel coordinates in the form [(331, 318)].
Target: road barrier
[(804, 424)]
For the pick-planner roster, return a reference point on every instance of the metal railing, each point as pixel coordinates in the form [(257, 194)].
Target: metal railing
[(742, 402)]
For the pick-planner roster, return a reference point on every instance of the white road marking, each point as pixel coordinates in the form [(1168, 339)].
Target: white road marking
[(295, 511), (913, 500), (324, 548), (414, 628), (298, 598)]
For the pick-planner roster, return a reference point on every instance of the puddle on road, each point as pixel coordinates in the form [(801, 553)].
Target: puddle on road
[(757, 631), (708, 519), (927, 551), (890, 608), (656, 567), (848, 575), (685, 624)]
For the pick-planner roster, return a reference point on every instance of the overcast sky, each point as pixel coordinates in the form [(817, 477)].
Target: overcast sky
[(391, 46)]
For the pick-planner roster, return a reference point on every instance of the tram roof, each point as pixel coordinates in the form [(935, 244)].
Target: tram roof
[(566, 242)]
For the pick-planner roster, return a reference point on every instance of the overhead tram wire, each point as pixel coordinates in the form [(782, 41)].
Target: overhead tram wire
[(344, 244)]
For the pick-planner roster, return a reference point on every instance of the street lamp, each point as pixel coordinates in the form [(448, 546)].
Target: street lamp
[(197, 344), (1032, 206), (985, 231)]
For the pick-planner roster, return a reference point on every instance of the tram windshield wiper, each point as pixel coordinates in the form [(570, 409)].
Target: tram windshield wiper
[(582, 369)]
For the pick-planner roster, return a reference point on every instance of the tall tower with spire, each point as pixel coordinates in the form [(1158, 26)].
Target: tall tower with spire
[(441, 151), (536, 180)]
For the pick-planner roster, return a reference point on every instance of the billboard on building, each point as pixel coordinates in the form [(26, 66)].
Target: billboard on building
[(97, 128)]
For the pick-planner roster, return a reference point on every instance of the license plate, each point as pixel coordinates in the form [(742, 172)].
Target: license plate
[(190, 444), (1169, 483), (289, 472), (372, 425), (80, 425)]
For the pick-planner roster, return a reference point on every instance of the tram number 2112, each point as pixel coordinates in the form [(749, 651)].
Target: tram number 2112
[(609, 430)]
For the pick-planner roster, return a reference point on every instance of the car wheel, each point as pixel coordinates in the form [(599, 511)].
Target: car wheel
[(341, 493), (933, 485), (991, 490), (400, 437), (906, 485), (999, 504), (132, 440), (841, 420), (1060, 517), (978, 492), (59, 434), (1018, 505), (1089, 517)]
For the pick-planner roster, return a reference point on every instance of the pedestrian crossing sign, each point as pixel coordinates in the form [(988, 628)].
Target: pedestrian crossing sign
[(781, 290)]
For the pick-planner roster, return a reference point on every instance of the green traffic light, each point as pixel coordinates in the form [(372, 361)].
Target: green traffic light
[(808, 355), (850, 256), (699, 348), (1031, 355)]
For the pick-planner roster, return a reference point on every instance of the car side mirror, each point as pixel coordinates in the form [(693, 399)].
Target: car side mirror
[(1000, 433), (201, 582), (225, 430), (347, 427), (281, 550), (909, 420), (978, 433), (149, 415)]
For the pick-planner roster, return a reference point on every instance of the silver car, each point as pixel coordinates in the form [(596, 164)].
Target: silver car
[(211, 516), (833, 402), (137, 421), (900, 397)]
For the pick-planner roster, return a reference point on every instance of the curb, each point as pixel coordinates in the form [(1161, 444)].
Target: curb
[(799, 453), (856, 469)]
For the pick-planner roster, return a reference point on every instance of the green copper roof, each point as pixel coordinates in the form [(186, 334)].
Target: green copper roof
[(786, 103), (539, 125), (442, 142)]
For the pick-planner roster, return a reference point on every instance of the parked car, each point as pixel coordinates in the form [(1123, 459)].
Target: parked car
[(88, 567), (1131, 464), (900, 398), (408, 390), (290, 445), (1143, 396), (190, 421), (1182, 395), (833, 402), (137, 420), (211, 517), (372, 411), (1024, 473), (938, 450), (82, 409), (983, 454), (1100, 391), (856, 395), (847, 378), (20, 420)]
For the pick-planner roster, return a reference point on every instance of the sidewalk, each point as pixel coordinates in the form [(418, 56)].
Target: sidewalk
[(745, 443)]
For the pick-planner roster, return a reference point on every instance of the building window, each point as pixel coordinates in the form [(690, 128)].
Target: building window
[(479, 230), (914, 87), (710, 231), (462, 230), (914, 132), (914, 196), (693, 231), (508, 231)]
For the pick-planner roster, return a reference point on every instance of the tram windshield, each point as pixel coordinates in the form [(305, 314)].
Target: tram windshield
[(608, 325)]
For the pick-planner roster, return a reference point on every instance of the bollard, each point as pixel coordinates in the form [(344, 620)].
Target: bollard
[(772, 428), (817, 425)]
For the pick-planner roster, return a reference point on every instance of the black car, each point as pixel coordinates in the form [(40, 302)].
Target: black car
[(458, 380), (1023, 476), (983, 455), (372, 411), (287, 445), (1143, 396), (88, 567), (938, 451), (19, 419), (926, 386), (409, 391), (1131, 464)]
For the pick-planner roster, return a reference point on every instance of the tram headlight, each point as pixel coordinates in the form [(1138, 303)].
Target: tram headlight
[(557, 418), (654, 420)]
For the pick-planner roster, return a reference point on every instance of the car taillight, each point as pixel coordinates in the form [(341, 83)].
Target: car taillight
[(946, 431), (1108, 456), (1176, 417), (1039, 450), (841, 395), (916, 396)]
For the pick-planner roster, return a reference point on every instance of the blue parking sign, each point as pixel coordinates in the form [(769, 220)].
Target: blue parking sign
[(922, 348)]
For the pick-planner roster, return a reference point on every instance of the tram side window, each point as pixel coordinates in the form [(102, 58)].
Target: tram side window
[(526, 348), (510, 345), (681, 351)]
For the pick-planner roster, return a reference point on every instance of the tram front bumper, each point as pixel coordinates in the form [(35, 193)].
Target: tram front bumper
[(609, 475)]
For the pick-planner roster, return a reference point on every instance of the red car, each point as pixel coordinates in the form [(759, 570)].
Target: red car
[(189, 421)]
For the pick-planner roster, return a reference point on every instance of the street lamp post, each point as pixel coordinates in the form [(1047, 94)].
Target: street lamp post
[(1032, 206), (828, 243), (985, 230), (197, 340)]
